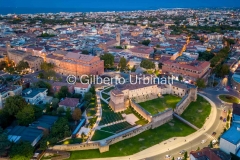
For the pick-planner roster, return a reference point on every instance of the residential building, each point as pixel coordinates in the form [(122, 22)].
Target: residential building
[(35, 95), (230, 140), (70, 103), (76, 64), (7, 91), (209, 154), (80, 88), (141, 51), (190, 71)]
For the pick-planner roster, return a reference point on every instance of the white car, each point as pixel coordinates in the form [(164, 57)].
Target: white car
[(167, 156), (203, 141), (214, 142), (179, 158)]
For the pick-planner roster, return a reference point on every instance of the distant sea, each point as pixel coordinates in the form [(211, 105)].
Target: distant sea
[(56, 6)]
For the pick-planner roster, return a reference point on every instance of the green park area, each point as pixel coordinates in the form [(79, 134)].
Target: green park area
[(197, 112), (160, 104), (229, 98), (175, 128), (98, 135), (105, 96)]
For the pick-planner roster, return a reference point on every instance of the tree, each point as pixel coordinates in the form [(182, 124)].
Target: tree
[(172, 158), (88, 96), (3, 64), (198, 148), (49, 74), (43, 84), (4, 142), (22, 65), (123, 63), (85, 52), (160, 65), (68, 114), (223, 70), (108, 60), (21, 151), (41, 75), (180, 78), (5, 118), (211, 145), (147, 64), (26, 116), (60, 110), (47, 66), (63, 92), (157, 46), (92, 90), (200, 83), (37, 111), (146, 42), (76, 115), (14, 104), (185, 156)]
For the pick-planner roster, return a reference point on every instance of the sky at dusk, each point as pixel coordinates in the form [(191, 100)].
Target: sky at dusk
[(141, 4)]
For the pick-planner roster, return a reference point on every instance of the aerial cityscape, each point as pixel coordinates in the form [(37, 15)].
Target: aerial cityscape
[(101, 81)]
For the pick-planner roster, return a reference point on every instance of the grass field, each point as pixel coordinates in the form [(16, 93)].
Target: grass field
[(197, 112), (160, 104), (174, 128), (105, 96), (116, 128), (72, 141), (108, 90), (229, 98), (98, 135)]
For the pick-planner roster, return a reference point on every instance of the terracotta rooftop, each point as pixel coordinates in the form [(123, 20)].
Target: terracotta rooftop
[(69, 102)]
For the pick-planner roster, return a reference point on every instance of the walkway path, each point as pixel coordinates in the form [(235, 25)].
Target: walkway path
[(99, 114)]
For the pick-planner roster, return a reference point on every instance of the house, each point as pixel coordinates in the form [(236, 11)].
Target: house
[(81, 88), (35, 95), (71, 103), (56, 86), (230, 140), (209, 153), (7, 91)]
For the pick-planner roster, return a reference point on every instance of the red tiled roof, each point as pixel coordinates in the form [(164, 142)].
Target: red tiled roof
[(69, 102)]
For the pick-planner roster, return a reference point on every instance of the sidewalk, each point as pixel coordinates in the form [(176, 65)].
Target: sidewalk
[(171, 143)]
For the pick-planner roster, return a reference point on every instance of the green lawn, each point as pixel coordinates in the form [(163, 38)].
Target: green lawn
[(197, 112), (72, 141), (105, 96), (108, 90), (174, 128), (98, 135), (229, 98), (116, 128), (160, 104)]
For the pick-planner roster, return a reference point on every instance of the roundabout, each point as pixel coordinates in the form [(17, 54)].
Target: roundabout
[(228, 98)]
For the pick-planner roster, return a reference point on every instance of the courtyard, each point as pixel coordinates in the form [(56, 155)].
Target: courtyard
[(160, 104), (175, 128), (197, 112)]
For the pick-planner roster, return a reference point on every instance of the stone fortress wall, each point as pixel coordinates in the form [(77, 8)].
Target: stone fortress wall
[(188, 94)]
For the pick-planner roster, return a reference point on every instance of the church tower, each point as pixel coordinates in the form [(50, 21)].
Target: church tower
[(118, 38)]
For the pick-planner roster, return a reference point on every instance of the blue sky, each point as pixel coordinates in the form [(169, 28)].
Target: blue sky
[(118, 3)]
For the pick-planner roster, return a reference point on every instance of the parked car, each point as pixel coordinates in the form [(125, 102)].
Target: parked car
[(182, 152), (224, 120), (179, 158), (214, 142), (203, 141), (214, 133), (221, 118), (167, 156)]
